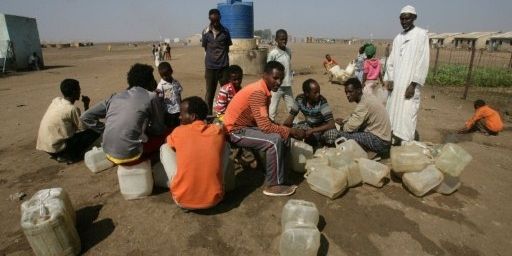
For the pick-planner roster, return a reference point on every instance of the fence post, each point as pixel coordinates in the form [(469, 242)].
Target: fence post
[(437, 59), (510, 61), (470, 70)]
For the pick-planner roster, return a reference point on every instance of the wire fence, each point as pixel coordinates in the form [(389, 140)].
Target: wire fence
[(473, 74)]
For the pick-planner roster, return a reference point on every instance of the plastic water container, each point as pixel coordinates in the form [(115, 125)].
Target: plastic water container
[(328, 153), (453, 159), (299, 211), (228, 170), (49, 228), (449, 185), (299, 240), (135, 181), (341, 160), (353, 174), (160, 176), (42, 196), (351, 147), (96, 160), (168, 160), (326, 180), (372, 172), (317, 161), (409, 158), (300, 152), (419, 183)]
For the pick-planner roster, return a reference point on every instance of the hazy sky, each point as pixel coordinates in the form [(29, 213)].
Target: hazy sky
[(127, 20)]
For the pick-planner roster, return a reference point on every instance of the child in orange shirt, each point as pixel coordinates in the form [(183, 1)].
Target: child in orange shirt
[(485, 120)]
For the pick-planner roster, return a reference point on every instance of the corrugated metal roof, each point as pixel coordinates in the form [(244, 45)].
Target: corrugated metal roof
[(506, 35), (474, 35), (443, 35)]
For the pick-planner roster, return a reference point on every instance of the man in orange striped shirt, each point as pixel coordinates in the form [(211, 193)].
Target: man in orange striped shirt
[(249, 126), (485, 120)]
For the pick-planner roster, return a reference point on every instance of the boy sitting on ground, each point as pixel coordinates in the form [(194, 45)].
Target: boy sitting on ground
[(61, 133), (169, 89), (197, 184), (485, 120), (134, 125), (319, 123), (368, 124)]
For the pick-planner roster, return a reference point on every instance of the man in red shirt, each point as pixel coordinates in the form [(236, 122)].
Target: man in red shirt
[(485, 120), (197, 184), (249, 126)]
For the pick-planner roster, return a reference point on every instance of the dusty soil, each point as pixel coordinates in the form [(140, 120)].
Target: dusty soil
[(476, 220)]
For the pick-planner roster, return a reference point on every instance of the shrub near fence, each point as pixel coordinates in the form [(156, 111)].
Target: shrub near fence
[(473, 74), (455, 75)]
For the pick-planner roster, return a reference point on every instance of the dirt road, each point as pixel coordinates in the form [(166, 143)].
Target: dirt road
[(476, 220)]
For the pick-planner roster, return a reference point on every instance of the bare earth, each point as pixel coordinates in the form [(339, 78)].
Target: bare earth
[(476, 220)]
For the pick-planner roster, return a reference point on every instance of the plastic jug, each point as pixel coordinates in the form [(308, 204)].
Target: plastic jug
[(44, 195), (135, 181), (326, 180), (300, 152), (353, 174), (449, 185), (372, 172), (160, 176), (299, 239), (328, 153), (419, 183), (96, 160), (409, 158), (168, 160), (228, 170), (341, 160), (299, 211), (316, 162), (350, 146), (453, 159), (49, 228)]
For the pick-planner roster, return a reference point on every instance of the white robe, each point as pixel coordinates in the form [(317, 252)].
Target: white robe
[(408, 62)]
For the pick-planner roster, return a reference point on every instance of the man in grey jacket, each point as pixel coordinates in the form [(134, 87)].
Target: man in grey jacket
[(134, 125)]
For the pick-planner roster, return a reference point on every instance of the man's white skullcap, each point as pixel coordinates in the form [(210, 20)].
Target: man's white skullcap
[(408, 9)]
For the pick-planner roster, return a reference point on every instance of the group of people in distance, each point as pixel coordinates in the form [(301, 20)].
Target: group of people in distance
[(149, 115)]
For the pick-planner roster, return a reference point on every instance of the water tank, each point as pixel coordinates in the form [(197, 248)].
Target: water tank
[(238, 17)]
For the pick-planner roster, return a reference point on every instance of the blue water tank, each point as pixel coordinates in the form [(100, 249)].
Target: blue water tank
[(238, 17)]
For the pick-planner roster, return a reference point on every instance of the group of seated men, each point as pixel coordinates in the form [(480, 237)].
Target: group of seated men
[(135, 127)]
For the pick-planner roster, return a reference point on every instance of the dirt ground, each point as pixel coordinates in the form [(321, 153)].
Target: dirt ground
[(476, 220)]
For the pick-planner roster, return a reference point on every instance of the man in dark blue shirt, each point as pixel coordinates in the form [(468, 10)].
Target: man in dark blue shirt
[(216, 41)]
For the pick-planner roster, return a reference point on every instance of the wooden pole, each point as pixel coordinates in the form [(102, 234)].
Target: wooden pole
[(510, 61), (470, 71), (436, 61)]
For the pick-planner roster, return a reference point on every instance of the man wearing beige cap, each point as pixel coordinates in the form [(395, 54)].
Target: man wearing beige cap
[(406, 72)]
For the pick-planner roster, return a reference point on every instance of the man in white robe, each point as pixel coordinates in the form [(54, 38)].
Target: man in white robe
[(406, 72)]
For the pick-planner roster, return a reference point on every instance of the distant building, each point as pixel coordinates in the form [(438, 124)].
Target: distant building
[(19, 38), (443, 39), (477, 40), (194, 39), (501, 42)]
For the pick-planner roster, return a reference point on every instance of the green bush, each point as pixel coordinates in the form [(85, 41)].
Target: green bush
[(455, 75)]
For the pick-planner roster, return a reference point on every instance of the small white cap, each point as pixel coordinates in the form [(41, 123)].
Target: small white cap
[(408, 9)]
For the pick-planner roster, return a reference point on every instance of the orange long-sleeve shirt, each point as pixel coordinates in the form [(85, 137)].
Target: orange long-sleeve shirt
[(249, 108), (491, 118)]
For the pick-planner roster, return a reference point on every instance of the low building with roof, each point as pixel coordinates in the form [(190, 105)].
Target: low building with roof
[(501, 42), (443, 39), (477, 40)]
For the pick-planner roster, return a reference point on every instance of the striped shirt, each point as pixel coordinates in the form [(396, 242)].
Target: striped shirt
[(226, 93), (315, 115), (249, 108)]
